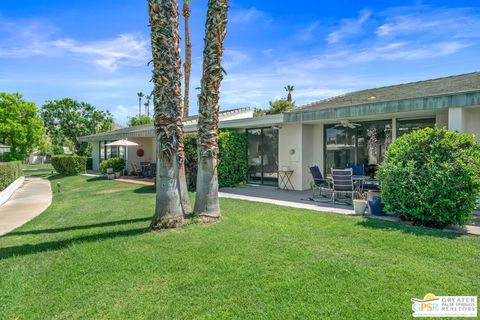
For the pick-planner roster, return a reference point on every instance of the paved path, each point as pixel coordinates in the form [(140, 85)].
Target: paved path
[(31, 199)]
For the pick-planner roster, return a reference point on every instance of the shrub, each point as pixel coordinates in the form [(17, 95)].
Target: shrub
[(232, 158), (432, 176), (69, 165), (117, 164), (9, 172)]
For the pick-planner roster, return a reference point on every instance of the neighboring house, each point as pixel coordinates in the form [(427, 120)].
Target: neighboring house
[(355, 128), (4, 148)]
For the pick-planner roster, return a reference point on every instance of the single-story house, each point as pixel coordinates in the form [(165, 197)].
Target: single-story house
[(351, 129), (4, 148)]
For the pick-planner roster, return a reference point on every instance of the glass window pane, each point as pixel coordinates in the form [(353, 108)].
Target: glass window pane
[(406, 126), (254, 138), (270, 156)]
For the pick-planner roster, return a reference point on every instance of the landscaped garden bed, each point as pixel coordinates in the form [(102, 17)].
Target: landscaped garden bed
[(91, 255)]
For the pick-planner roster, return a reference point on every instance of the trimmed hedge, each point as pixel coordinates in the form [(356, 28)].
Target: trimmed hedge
[(69, 165), (432, 177), (117, 164), (232, 158), (9, 172)]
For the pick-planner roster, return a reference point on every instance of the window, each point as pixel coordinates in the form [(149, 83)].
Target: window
[(263, 156), (357, 143), (406, 126)]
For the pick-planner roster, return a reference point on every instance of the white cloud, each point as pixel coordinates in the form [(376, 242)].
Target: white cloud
[(248, 15), (308, 33), (126, 49), (426, 20), (23, 39), (234, 58), (349, 27)]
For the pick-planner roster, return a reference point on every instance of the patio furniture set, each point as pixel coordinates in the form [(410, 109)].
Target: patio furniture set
[(349, 183), (146, 169)]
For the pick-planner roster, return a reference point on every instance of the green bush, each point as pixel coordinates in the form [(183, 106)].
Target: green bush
[(69, 165), (432, 177), (117, 164), (9, 172), (232, 158)]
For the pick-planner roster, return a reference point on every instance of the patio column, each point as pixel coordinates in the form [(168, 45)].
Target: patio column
[(394, 129), (456, 119)]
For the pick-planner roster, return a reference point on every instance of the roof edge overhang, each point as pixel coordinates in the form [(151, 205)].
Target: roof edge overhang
[(452, 100), (149, 131)]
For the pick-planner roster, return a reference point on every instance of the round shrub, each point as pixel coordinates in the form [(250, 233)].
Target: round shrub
[(432, 177), (69, 165), (117, 164)]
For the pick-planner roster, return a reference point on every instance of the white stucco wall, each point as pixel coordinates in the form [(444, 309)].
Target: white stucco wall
[(472, 121), (466, 120), (305, 140), (147, 144), (290, 138), (96, 156)]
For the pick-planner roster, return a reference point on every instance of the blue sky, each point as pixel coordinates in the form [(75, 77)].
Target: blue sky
[(97, 50)]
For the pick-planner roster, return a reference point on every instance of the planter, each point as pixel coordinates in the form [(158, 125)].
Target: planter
[(359, 206), (118, 175), (374, 204)]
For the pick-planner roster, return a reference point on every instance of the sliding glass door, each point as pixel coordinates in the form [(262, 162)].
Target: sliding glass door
[(362, 143), (263, 156)]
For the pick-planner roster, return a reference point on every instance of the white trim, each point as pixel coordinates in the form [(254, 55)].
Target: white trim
[(8, 192)]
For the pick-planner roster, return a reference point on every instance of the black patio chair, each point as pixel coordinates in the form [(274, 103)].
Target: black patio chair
[(321, 184), (342, 183)]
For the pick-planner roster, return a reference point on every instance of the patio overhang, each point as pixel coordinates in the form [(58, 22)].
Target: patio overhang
[(438, 102)]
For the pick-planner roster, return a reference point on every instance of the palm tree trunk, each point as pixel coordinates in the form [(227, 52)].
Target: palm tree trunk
[(167, 101), (206, 203), (188, 58)]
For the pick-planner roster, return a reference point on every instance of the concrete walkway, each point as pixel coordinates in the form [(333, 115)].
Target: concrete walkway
[(31, 199)]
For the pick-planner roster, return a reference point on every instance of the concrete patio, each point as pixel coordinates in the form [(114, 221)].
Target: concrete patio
[(294, 199)]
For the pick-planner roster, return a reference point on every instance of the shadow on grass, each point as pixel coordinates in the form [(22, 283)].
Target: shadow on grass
[(145, 189), (28, 249), (96, 225), (94, 179), (408, 228)]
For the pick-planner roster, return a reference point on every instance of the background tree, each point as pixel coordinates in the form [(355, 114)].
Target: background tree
[(140, 95), (67, 120), (187, 66), (148, 98), (279, 106), (139, 120), (167, 101), (206, 202), (289, 90), (20, 125)]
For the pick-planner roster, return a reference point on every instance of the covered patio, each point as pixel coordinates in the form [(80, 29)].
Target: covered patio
[(293, 199)]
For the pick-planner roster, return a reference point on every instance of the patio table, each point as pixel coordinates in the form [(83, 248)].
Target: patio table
[(284, 180), (358, 180)]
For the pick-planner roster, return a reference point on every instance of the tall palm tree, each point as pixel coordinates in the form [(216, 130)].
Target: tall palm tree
[(187, 66), (167, 102), (289, 90), (148, 98), (206, 202), (140, 95)]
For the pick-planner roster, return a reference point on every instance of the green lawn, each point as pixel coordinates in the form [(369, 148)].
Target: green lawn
[(91, 256), (37, 166)]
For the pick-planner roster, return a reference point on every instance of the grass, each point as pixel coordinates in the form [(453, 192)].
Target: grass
[(47, 166), (90, 255)]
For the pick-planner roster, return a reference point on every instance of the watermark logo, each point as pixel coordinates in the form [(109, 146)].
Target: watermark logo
[(445, 306)]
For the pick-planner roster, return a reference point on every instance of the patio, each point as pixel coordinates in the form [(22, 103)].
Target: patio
[(294, 199)]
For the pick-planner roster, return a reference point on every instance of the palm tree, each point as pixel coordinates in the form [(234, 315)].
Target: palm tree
[(188, 57), (289, 90), (140, 95), (167, 102), (206, 202), (148, 97)]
